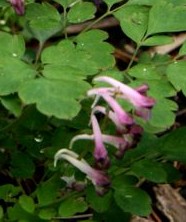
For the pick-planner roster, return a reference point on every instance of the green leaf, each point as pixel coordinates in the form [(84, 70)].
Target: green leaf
[(44, 20), (71, 206), (182, 50), (22, 165), (157, 40), (8, 191), (172, 145), (133, 20), (98, 203), (150, 170), (153, 2), (172, 173), (47, 214), (57, 98), (92, 42), (111, 2), (13, 73), (120, 180), (163, 12), (176, 75), (144, 71), (66, 3), (47, 191), (161, 107), (81, 12), (1, 212), (11, 45), (12, 103), (27, 203), (130, 199)]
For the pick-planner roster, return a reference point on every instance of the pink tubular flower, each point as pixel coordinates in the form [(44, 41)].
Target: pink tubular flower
[(112, 116), (123, 117), (100, 152), (132, 95), (18, 6), (98, 178), (116, 141)]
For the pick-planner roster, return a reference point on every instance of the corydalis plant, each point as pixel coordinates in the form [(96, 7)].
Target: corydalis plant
[(127, 131)]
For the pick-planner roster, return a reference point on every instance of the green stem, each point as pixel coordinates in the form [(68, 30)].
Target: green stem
[(41, 44)]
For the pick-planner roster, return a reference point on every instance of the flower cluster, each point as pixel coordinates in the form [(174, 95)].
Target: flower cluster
[(127, 131)]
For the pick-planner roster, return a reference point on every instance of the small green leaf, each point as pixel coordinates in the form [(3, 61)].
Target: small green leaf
[(13, 73), (81, 12), (98, 203), (47, 214), (150, 170), (71, 206), (133, 20), (111, 2), (144, 71), (157, 40), (27, 203), (163, 12), (44, 20), (7, 191), (47, 191), (13, 104), (176, 75), (172, 145), (130, 199), (12, 45)]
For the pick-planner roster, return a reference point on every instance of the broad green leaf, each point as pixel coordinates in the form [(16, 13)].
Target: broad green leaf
[(166, 17), (144, 71), (81, 12), (157, 40), (44, 20), (47, 213), (4, 3), (57, 98), (150, 170), (11, 45), (176, 74), (172, 145), (130, 199), (21, 165), (133, 20), (14, 73), (98, 203), (71, 206), (27, 203), (12, 103)]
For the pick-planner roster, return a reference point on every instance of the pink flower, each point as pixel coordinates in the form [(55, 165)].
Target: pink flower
[(123, 117), (98, 178), (100, 152), (132, 95), (18, 6)]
